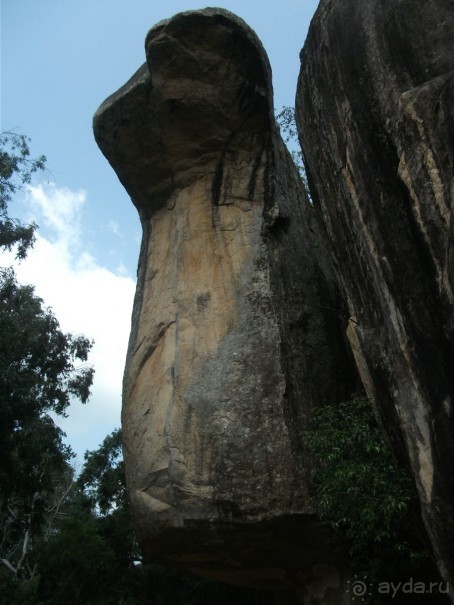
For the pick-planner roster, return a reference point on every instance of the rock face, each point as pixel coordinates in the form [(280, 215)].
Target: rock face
[(375, 109), (235, 333)]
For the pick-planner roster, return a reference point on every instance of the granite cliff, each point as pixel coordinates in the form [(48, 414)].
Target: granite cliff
[(375, 110)]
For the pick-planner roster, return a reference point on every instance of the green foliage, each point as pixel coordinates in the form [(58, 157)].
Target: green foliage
[(77, 565), (13, 592), (39, 373), (103, 478), (286, 121), (361, 491), (92, 557), (16, 170), (37, 360), (41, 370)]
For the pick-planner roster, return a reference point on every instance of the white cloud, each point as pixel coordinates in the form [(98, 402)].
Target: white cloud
[(114, 227), (122, 269), (60, 210), (86, 299)]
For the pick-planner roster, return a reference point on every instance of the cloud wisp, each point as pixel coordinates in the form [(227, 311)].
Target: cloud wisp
[(86, 298)]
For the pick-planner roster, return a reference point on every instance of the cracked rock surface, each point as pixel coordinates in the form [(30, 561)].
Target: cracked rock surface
[(237, 328), (375, 111)]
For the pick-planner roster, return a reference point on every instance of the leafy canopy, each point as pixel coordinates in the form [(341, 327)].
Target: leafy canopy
[(286, 120), (362, 491), (16, 170), (93, 556), (41, 369), (103, 476)]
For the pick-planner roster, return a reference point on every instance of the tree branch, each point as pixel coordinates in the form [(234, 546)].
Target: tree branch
[(8, 565)]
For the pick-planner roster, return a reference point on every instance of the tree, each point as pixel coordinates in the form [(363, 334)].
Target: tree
[(360, 490), (93, 557), (41, 369), (286, 121), (16, 170), (103, 476)]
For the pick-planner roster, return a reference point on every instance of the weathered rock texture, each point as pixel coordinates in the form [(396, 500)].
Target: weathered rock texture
[(375, 108), (236, 330)]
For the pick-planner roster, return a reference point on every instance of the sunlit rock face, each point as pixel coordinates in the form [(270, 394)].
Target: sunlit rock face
[(375, 110), (237, 328)]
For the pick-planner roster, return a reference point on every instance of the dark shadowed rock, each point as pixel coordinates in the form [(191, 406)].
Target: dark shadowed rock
[(375, 110), (236, 331)]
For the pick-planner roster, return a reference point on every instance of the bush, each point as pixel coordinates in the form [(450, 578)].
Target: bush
[(360, 490)]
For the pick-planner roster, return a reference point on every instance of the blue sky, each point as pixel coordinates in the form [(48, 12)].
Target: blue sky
[(59, 61)]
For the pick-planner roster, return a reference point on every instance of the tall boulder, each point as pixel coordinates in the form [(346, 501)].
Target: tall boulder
[(235, 330), (375, 108)]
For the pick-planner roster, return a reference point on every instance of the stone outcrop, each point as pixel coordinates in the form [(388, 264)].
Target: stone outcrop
[(375, 109), (236, 330)]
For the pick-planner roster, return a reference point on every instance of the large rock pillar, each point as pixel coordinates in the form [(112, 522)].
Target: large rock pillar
[(235, 332)]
